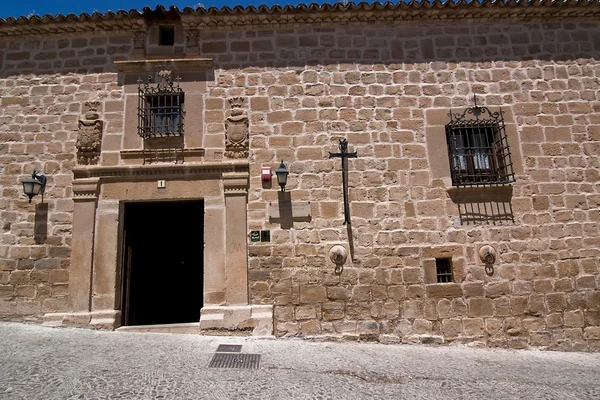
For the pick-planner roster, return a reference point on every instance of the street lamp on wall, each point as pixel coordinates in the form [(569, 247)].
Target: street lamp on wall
[(35, 185), (282, 175)]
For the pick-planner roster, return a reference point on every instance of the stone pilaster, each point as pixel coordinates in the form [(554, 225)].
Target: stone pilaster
[(233, 313), (236, 259), (214, 251), (85, 197), (105, 276)]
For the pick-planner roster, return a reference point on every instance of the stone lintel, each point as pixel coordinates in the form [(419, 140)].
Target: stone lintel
[(254, 319), (130, 172), (175, 64)]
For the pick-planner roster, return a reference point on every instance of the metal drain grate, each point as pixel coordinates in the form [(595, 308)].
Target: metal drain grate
[(229, 348), (234, 360)]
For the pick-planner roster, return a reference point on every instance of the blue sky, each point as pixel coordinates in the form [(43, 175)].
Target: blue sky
[(17, 8)]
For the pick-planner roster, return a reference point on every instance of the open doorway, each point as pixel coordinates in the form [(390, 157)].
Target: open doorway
[(163, 254)]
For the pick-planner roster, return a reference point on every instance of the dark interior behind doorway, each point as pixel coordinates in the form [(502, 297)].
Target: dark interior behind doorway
[(163, 262)]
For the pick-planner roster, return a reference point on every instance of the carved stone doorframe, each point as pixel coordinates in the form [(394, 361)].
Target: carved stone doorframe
[(99, 194)]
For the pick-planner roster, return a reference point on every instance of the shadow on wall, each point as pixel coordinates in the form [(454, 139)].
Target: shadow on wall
[(478, 204), (299, 48), (40, 228), (409, 44), (286, 212)]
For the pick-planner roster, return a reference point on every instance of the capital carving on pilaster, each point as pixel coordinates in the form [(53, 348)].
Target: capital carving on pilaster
[(86, 189), (236, 182)]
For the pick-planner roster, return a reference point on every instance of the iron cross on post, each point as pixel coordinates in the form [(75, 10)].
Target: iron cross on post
[(344, 155)]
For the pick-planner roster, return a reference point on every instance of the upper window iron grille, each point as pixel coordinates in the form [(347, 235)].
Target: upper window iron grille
[(160, 107), (478, 147)]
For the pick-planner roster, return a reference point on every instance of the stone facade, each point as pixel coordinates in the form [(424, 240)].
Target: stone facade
[(387, 89)]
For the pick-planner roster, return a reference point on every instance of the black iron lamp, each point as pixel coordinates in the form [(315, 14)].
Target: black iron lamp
[(282, 175), (35, 185)]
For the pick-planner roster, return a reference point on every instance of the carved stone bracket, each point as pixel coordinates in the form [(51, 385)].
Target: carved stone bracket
[(89, 139), (236, 130)]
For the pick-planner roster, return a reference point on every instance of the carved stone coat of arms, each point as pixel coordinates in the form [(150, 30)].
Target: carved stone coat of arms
[(89, 139), (236, 131)]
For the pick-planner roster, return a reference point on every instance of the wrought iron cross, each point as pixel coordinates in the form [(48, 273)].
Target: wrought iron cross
[(344, 155)]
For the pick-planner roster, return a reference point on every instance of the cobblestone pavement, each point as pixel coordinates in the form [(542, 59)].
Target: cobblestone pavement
[(44, 363)]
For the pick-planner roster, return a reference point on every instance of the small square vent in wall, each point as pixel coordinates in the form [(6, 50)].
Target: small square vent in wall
[(443, 269)]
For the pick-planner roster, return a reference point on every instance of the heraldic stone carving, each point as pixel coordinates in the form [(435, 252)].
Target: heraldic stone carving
[(236, 130), (89, 139)]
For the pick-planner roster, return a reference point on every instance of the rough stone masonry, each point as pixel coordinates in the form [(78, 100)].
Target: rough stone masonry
[(387, 88)]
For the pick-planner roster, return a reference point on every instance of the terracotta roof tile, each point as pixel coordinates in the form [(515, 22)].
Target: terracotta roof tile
[(437, 10)]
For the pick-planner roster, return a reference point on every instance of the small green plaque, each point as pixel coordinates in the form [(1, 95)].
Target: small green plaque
[(255, 236)]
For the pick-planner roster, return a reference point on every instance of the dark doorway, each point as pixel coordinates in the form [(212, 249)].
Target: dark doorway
[(163, 262)]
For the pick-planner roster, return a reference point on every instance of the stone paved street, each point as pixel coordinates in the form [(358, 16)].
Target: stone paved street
[(44, 363)]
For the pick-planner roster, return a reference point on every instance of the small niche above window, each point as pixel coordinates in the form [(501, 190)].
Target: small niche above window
[(166, 35), (443, 270)]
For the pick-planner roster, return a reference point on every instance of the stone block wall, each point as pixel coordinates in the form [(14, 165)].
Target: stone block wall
[(43, 87), (387, 89), (384, 89)]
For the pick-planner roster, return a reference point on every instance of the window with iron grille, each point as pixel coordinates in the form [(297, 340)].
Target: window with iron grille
[(443, 269), (478, 148), (160, 107)]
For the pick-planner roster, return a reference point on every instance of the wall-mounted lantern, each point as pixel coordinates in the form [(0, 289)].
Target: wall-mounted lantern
[(282, 175), (35, 185)]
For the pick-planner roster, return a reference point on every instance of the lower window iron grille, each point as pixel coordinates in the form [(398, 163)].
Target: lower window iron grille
[(443, 269)]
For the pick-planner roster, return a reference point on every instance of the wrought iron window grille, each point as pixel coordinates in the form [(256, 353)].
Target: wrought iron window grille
[(160, 106), (478, 148)]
